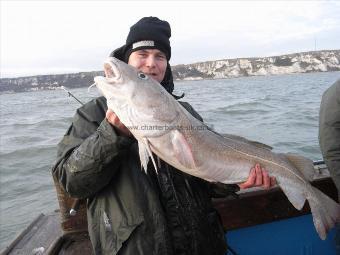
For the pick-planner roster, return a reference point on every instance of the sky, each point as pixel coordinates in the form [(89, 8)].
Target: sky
[(48, 37)]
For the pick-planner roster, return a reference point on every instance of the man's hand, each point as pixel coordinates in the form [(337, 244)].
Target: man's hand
[(113, 119), (258, 177)]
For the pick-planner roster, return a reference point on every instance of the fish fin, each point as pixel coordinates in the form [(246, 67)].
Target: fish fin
[(245, 140), (261, 145), (325, 211), (294, 195), (147, 146), (143, 156), (304, 165), (182, 150)]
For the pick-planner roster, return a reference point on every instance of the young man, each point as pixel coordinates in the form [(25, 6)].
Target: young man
[(130, 212)]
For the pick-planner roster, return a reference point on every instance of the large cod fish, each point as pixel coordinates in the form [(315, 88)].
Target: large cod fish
[(162, 126)]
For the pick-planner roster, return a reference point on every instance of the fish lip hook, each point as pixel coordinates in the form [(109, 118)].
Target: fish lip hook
[(91, 86)]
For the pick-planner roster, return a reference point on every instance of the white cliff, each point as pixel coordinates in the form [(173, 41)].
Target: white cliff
[(305, 62)]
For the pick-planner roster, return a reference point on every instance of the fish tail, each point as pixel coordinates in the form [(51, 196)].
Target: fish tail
[(325, 211)]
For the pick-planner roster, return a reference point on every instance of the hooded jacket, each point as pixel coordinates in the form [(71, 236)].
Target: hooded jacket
[(129, 211)]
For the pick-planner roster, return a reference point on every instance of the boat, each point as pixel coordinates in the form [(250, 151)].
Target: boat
[(256, 221)]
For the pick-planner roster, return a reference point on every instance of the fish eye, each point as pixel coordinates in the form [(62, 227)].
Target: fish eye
[(142, 76)]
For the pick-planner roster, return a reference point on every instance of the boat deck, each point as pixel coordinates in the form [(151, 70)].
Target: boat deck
[(45, 236)]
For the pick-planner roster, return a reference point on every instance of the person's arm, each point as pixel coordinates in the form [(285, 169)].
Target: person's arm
[(329, 131), (258, 177), (90, 152)]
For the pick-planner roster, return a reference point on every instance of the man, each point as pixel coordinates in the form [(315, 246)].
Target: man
[(130, 212), (329, 138)]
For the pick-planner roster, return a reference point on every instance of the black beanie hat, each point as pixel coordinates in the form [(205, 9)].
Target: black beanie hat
[(149, 33)]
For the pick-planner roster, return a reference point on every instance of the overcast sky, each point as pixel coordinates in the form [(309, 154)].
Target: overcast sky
[(43, 37)]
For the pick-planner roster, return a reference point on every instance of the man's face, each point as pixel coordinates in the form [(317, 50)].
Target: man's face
[(152, 62)]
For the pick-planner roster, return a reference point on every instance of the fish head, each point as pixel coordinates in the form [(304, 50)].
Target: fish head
[(126, 85)]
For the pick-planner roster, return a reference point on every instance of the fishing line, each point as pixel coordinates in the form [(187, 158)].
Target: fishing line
[(92, 85)]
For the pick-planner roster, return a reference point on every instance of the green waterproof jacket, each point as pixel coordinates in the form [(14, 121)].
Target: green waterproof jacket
[(329, 130), (129, 211)]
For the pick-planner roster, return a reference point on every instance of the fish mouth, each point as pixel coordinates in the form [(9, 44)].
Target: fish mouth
[(112, 73)]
